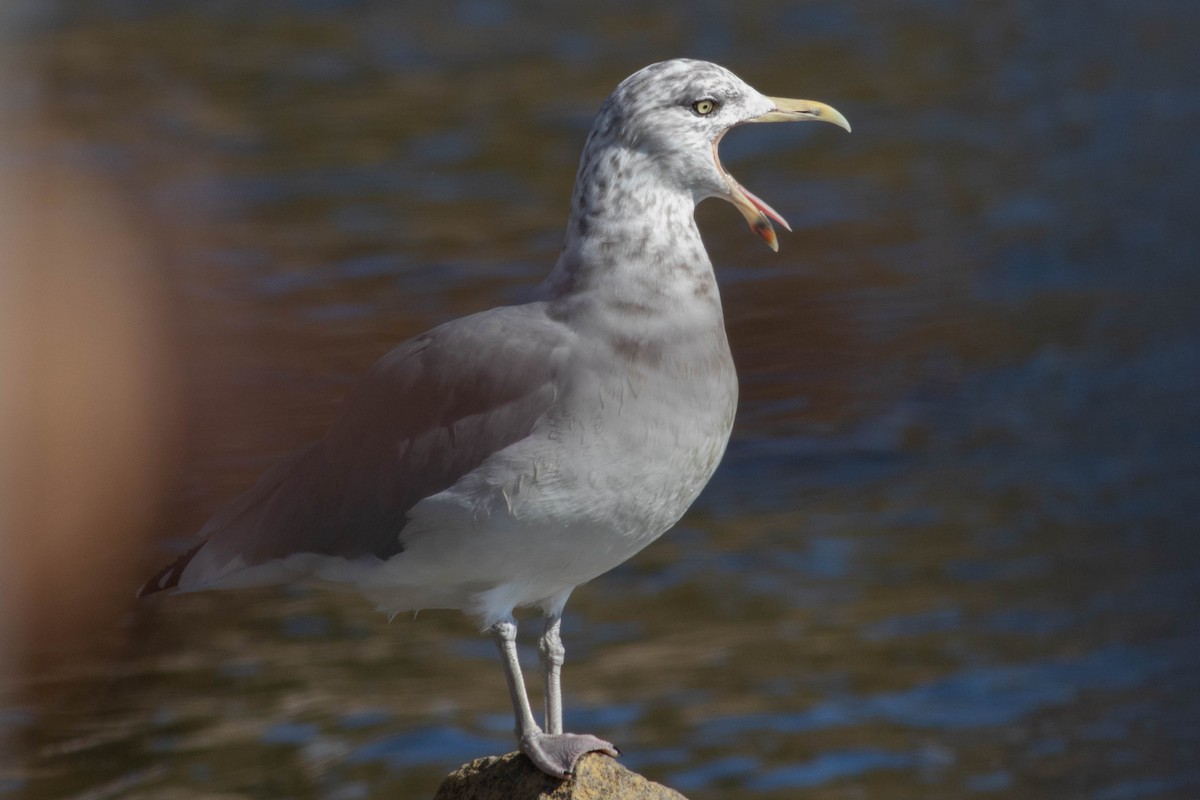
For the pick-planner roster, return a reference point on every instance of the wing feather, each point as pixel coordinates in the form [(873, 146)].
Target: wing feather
[(425, 415)]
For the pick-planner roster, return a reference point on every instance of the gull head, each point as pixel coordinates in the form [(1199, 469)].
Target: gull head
[(676, 112)]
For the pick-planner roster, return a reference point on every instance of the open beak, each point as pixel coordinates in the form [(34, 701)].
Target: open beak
[(757, 213)]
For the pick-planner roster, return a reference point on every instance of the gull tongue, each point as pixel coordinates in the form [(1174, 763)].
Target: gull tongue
[(762, 206), (758, 214)]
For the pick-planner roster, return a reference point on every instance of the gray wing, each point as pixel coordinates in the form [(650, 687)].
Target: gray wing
[(426, 414)]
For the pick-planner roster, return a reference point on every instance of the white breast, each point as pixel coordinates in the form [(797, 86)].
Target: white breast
[(634, 436)]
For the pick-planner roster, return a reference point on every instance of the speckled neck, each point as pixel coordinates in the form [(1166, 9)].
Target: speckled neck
[(632, 237)]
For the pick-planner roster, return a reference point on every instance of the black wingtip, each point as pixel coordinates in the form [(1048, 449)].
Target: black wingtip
[(168, 577)]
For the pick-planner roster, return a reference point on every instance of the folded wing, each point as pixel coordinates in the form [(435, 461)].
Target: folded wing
[(425, 415)]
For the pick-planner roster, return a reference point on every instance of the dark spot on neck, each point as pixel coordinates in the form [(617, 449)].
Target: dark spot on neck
[(643, 352), (633, 308), (705, 286)]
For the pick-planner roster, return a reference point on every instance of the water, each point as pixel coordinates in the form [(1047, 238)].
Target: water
[(952, 550)]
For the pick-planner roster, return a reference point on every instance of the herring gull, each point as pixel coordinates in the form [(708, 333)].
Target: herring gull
[(502, 459)]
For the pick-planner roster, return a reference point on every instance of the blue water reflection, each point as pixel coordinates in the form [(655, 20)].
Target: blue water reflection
[(447, 747), (991, 696)]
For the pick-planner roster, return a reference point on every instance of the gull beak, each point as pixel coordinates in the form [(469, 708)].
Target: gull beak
[(757, 212), (787, 110)]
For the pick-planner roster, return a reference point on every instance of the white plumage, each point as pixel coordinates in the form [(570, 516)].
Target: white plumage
[(502, 459)]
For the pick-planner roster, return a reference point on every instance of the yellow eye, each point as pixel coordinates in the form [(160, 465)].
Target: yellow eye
[(704, 107)]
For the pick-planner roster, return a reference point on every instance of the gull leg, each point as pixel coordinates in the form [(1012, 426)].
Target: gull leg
[(505, 634), (552, 652), (553, 753)]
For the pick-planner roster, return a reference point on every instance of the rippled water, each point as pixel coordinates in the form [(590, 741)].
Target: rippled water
[(953, 548)]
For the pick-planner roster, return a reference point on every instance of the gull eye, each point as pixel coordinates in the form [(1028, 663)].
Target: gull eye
[(704, 107)]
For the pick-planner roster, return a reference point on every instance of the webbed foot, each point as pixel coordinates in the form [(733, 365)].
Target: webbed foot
[(557, 753)]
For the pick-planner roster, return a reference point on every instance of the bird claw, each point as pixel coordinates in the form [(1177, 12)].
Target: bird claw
[(557, 753)]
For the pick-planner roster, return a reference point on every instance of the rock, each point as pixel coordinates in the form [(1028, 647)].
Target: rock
[(514, 777)]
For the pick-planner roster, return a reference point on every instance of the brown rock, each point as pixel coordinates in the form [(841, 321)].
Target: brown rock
[(514, 777)]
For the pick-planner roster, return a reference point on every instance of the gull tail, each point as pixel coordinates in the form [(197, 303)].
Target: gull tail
[(230, 536), (168, 576)]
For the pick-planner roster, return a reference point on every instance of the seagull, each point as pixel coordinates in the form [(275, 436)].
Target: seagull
[(500, 460)]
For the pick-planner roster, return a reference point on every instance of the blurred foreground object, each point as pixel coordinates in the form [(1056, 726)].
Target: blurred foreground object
[(87, 403)]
